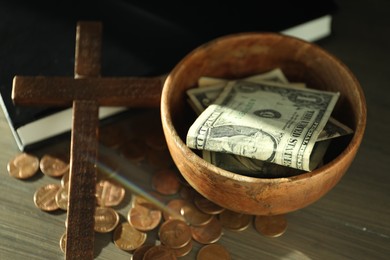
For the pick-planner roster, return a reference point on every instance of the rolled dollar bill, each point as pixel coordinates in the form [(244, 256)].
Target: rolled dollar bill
[(265, 121)]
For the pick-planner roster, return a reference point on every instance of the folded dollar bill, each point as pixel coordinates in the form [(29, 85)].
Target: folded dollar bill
[(265, 121)]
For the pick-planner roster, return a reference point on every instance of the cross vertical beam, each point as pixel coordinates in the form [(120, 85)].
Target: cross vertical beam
[(80, 232)]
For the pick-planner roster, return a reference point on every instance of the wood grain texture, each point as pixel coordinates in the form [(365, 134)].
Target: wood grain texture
[(80, 235)]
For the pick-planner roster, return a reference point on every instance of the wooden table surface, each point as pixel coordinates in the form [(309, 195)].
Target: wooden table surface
[(352, 221)]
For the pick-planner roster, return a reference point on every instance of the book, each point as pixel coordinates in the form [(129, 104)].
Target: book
[(140, 38)]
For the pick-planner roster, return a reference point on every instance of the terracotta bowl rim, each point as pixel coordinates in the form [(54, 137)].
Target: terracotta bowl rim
[(352, 146)]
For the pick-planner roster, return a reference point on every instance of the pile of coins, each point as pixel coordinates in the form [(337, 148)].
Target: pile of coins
[(184, 219)]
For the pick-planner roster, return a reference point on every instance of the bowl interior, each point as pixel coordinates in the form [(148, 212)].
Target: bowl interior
[(246, 54)]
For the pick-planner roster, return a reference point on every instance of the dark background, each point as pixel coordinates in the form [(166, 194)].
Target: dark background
[(140, 38)]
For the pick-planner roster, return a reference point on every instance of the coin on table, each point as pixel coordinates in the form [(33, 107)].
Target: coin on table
[(235, 221), (166, 182), (65, 179), (159, 252), (212, 252), (207, 206), (174, 211), (109, 193), (185, 250), (159, 159), (134, 150), (62, 198), (44, 197), (106, 219), (271, 226), (174, 233), (156, 141), (23, 166), (194, 216), (209, 233), (63, 243), (144, 218), (139, 253), (53, 166), (128, 238)]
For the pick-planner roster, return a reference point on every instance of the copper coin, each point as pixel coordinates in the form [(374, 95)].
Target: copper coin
[(182, 251), (159, 159), (156, 141), (194, 216), (271, 226), (187, 193), (63, 243), (209, 233), (174, 209), (106, 219), (134, 150), (62, 198), (127, 238), (139, 253), (44, 197), (235, 221), (65, 179), (207, 206), (166, 182), (109, 194), (138, 200), (23, 166), (159, 252), (144, 218), (53, 166), (174, 233), (213, 252)]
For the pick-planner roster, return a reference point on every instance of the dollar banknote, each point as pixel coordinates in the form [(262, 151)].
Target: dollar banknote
[(265, 121), (200, 98)]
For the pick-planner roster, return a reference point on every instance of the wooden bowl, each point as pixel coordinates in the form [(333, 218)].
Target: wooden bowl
[(245, 54)]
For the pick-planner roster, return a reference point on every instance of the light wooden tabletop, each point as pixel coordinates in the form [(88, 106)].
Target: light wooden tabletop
[(352, 221)]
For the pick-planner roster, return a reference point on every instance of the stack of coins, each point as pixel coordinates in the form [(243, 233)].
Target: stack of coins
[(187, 219)]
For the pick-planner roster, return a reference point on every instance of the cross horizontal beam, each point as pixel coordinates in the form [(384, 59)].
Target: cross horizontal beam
[(106, 91)]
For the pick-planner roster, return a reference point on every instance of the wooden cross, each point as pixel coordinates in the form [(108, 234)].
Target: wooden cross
[(86, 91)]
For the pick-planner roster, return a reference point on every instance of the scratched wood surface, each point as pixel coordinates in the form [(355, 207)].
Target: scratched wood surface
[(350, 222)]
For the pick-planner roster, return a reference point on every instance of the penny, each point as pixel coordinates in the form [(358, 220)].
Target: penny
[(271, 226), (139, 253), (44, 197), (106, 219), (134, 150), (209, 233), (159, 159), (207, 206), (166, 182), (23, 166), (159, 252), (65, 179), (62, 198), (175, 209), (144, 218), (156, 141), (53, 166), (212, 252), (194, 216), (174, 233), (187, 193), (127, 238), (235, 221), (63, 243), (109, 194), (182, 251)]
